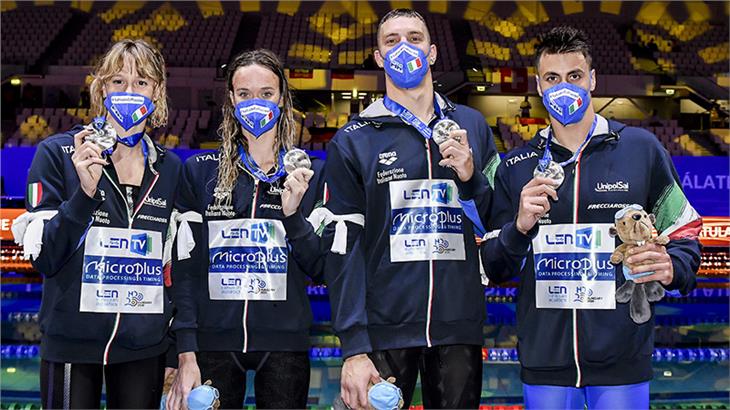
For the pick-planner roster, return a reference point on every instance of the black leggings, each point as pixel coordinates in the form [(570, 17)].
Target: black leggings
[(451, 376), (131, 385), (281, 380)]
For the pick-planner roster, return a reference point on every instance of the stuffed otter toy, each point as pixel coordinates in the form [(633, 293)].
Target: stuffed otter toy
[(634, 227)]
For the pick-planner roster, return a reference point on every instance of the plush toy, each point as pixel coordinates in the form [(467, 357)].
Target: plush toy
[(634, 227)]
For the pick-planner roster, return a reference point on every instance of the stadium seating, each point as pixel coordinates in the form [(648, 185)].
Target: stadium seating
[(689, 40), (184, 129), (29, 32)]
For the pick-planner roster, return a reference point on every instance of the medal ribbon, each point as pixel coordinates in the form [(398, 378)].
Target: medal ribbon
[(256, 171), (547, 157), (411, 119)]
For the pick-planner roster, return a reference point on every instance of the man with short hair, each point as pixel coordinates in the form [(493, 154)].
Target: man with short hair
[(405, 289), (554, 203)]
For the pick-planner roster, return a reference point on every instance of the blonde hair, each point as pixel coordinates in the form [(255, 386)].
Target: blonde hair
[(230, 129), (149, 63)]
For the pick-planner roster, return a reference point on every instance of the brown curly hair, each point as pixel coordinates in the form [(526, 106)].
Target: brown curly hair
[(230, 130)]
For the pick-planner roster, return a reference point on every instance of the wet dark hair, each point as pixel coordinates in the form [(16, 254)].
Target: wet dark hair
[(561, 40)]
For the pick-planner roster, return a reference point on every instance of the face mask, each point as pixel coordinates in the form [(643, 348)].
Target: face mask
[(385, 396), (406, 65), (566, 102), (128, 109), (257, 116), (131, 140)]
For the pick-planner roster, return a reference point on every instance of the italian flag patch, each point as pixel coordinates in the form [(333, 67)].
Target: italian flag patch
[(267, 119), (141, 111), (414, 64), (574, 107), (35, 193)]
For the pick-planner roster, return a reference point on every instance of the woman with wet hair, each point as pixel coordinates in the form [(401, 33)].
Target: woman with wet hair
[(240, 291)]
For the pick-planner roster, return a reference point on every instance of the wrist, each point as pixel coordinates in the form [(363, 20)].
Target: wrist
[(187, 357), (90, 194), (357, 357), (520, 229)]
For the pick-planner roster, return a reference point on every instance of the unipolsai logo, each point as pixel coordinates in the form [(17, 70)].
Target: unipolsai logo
[(618, 186), (260, 232)]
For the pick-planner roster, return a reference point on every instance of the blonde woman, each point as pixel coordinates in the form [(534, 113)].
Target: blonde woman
[(241, 293), (104, 210)]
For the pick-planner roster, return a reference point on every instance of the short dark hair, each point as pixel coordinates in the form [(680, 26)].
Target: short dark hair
[(561, 40), (402, 13)]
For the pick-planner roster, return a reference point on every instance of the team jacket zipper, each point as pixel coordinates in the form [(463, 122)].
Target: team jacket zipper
[(245, 304), (131, 214)]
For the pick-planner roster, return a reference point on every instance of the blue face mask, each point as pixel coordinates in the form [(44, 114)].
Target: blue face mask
[(566, 102), (385, 396), (406, 65), (257, 116), (201, 398), (128, 109)]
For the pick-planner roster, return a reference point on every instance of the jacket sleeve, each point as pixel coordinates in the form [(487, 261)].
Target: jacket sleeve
[(65, 232), (345, 274), (480, 188), (307, 248), (506, 249), (676, 218), (187, 273)]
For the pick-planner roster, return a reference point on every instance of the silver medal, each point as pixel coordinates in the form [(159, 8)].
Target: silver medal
[(554, 171), (296, 158), (441, 130), (104, 135)]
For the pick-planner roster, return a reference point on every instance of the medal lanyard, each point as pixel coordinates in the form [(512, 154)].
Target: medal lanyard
[(256, 171), (547, 157), (100, 122), (411, 119)]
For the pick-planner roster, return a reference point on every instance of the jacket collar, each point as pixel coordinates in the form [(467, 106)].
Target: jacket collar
[(602, 130), (378, 110)]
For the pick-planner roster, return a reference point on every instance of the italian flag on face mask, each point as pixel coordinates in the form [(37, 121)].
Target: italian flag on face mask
[(141, 111), (575, 106), (267, 119), (414, 64)]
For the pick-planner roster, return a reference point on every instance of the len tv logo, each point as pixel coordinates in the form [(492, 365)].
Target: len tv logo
[(586, 238), (441, 192), (260, 232), (140, 244)]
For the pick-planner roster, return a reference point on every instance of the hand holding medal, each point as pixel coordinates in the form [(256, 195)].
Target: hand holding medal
[(550, 170), (296, 158), (103, 135), (534, 202), (454, 147), (87, 159), (297, 164)]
